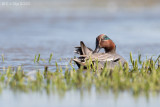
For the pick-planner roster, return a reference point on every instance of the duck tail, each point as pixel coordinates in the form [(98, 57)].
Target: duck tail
[(79, 63)]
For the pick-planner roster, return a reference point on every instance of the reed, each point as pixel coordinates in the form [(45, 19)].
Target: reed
[(38, 58), (35, 57), (50, 58), (2, 57)]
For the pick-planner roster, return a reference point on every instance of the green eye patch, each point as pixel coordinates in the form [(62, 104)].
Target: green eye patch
[(105, 37)]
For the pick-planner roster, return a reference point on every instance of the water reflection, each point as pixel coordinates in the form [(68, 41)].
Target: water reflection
[(86, 99)]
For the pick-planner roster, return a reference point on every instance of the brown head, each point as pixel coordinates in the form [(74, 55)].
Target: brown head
[(103, 41)]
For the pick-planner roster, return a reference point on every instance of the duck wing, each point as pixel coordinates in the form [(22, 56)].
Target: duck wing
[(83, 50), (103, 57)]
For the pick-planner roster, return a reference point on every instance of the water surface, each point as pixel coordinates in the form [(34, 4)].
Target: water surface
[(26, 32)]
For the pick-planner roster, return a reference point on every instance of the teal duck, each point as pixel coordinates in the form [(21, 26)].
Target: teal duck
[(110, 57)]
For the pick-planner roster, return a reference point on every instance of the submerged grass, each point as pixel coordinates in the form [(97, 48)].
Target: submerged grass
[(141, 77)]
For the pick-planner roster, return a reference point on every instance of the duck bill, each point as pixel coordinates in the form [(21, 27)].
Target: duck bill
[(97, 49)]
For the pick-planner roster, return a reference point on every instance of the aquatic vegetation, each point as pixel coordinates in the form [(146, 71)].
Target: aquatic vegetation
[(50, 58), (140, 77), (2, 57), (35, 58), (38, 57)]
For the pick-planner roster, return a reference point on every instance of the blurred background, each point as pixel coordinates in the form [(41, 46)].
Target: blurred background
[(31, 27), (38, 26)]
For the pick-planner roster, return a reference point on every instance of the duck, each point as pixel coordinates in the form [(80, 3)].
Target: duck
[(109, 58)]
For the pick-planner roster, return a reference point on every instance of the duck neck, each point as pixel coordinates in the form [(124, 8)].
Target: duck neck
[(110, 50)]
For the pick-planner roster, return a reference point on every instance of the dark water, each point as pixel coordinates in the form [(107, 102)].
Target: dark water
[(29, 32)]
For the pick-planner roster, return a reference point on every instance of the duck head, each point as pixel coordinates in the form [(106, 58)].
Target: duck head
[(103, 41)]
